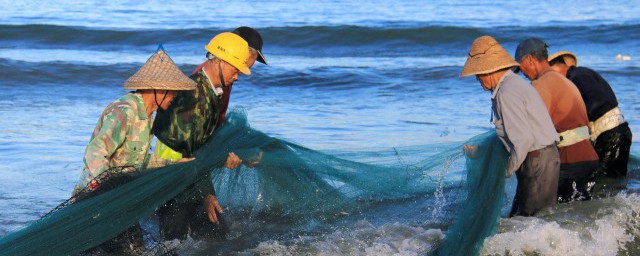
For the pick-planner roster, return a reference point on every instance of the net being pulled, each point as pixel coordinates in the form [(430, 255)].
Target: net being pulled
[(290, 181)]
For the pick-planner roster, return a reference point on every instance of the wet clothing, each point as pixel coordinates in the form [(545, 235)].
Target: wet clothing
[(613, 145), (182, 216), (576, 181), (120, 140), (613, 148), (567, 110), (526, 130), (521, 119), (537, 182)]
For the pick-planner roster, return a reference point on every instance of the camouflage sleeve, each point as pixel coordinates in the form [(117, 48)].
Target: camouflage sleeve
[(173, 126), (110, 136)]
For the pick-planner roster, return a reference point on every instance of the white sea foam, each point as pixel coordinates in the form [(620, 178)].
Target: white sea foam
[(362, 239), (603, 228)]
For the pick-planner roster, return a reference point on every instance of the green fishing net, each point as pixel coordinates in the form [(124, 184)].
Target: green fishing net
[(291, 182)]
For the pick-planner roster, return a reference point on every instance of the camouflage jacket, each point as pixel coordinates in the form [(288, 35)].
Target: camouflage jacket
[(190, 119), (121, 138)]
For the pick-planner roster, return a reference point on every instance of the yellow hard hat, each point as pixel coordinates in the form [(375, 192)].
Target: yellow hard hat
[(232, 49)]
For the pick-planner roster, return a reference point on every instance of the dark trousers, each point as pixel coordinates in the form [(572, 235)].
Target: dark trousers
[(537, 181), (129, 242), (613, 148), (574, 181), (179, 218)]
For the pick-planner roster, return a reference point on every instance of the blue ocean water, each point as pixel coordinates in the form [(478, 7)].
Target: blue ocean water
[(342, 77)]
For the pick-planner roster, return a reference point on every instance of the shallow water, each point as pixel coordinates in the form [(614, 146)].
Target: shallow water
[(343, 78)]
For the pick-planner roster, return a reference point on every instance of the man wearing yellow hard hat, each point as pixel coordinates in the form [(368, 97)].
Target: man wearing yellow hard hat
[(190, 121)]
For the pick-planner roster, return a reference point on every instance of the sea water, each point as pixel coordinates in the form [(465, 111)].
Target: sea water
[(343, 78)]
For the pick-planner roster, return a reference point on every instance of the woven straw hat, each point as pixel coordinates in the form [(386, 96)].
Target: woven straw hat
[(569, 58), (160, 72), (486, 56)]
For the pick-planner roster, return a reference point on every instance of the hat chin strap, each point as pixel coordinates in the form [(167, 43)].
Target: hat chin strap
[(221, 76), (155, 98)]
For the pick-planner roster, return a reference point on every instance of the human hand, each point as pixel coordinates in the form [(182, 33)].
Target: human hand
[(213, 208), (186, 159), (470, 150), (256, 161), (233, 161)]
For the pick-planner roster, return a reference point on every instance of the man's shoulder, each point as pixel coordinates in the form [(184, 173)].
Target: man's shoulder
[(582, 70), (549, 80), (581, 73), (122, 107), (514, 84)]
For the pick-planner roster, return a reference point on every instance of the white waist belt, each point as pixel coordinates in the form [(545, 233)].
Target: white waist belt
[(606, 122), (573, 136)]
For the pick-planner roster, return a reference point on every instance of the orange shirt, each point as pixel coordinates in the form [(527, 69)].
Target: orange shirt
[(567, 111)]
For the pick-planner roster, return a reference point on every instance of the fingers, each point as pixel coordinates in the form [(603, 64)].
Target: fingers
[(214, 203), (212, 207), (212, 217), (257, 161), (233, 161), (218, 208), (182, 160)]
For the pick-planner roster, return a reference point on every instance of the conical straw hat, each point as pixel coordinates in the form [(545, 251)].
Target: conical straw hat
[(486, 56), (160, 72), (569, 58)]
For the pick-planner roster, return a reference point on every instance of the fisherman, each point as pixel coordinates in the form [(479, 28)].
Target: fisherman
[(191, 121), (567, 110), (522, 124), (610, 133), (121, 140)]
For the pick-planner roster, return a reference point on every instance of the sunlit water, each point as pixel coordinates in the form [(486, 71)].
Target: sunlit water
[(342, 77)]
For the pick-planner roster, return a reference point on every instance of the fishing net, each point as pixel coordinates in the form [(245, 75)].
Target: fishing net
[(291, 182), (485, 185)]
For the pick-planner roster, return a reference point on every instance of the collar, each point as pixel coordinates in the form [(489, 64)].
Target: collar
[(216, 90), (140, 108), (495, 90)]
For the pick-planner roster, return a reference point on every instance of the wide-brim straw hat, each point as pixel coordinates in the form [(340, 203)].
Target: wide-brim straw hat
[(486, 56), (569, 58), (160, 73)]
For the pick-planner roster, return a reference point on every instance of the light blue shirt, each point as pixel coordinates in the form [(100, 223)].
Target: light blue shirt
[(522, 121)]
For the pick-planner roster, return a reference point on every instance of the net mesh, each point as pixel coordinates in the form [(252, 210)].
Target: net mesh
[(291, 182)]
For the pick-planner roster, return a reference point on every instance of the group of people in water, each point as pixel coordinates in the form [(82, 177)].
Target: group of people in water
[(562, 131), (187, 112)]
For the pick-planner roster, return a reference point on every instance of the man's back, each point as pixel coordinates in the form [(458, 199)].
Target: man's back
[(596, 92), (567, 111)]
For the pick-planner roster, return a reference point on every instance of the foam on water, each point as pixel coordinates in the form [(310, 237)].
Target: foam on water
[(599, 227), (362, 238)]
